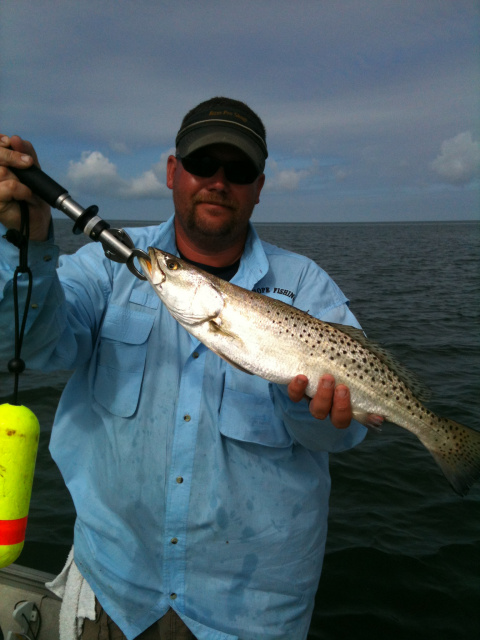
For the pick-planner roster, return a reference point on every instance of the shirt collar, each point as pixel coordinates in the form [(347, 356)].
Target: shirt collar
[(253, 264)]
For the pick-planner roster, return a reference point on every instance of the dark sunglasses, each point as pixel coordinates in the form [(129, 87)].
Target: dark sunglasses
[(236, 171)]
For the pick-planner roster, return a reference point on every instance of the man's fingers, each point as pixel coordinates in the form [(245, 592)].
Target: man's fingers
[(321, 402), (11, 188), (332, 400), (296, 388), (341, 413), (328, 400), (16, 152)]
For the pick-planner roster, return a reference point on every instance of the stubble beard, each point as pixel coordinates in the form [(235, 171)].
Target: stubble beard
[(209, 230)]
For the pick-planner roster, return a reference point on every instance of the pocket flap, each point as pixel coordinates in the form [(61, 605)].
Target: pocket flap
[(247, 412), (127, 325)]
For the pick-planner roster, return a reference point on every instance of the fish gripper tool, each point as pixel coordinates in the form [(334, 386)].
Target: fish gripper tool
[(116, 243)]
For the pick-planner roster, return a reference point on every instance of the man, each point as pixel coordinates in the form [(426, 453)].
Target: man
[(201, 492)]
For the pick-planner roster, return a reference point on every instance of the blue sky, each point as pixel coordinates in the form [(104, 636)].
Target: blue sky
[(371, 106)]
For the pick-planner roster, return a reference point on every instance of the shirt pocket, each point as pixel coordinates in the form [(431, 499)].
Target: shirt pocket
[(121, 357), (247, 412)]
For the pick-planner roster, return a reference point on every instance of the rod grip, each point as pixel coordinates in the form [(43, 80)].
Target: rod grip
[(41, 184)]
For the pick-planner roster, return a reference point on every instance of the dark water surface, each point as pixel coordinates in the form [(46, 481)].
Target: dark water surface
[(403, 553)]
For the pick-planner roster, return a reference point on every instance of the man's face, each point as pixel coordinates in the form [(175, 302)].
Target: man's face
[(212, 211)]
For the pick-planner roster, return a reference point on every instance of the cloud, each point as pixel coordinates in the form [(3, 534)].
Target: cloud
[(288, 179), (459, 160), (94, 173)]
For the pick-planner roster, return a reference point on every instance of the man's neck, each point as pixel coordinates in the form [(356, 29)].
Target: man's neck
[(214, 257)]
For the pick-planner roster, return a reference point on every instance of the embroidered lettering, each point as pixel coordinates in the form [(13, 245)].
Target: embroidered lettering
[(284, 292)]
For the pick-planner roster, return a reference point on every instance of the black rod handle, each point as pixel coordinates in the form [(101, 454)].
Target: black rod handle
[(41, 184)]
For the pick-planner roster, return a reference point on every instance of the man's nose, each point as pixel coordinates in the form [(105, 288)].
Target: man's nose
[(219, 179)]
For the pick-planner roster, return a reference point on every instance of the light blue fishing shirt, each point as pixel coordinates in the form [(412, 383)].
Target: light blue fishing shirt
[(196, 486)]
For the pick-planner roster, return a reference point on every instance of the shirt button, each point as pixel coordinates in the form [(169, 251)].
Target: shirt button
[(173, 596), (179, 480), (195, 355), (187, 418), (174, 540)]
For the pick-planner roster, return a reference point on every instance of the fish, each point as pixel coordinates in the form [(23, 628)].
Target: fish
[(266, 337)]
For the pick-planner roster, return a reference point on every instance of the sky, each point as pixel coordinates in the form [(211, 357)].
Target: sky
[(372, 107)]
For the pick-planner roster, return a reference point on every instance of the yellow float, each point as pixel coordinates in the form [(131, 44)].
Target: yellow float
[(19, 434)]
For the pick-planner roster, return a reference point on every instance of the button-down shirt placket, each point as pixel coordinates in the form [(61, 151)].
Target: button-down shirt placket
[(181, 471)]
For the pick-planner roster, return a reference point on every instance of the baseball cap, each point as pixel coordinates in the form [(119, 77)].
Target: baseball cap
[(225, 125)]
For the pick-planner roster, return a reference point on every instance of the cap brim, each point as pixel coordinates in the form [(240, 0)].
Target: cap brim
[(218, 134)]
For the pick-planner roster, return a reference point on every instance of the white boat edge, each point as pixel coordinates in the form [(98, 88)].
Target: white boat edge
[(19, 584)]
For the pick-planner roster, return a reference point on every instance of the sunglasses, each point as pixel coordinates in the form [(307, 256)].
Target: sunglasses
[(236, 171)]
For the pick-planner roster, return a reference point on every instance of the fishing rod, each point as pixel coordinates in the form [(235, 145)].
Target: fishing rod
[(116, 243)]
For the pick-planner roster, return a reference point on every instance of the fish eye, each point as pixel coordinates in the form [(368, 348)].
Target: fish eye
[(172, 265)]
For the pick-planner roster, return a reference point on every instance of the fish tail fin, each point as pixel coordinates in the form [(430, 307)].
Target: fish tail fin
[(456, 449)]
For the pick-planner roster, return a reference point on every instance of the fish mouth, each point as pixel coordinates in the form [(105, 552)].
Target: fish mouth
[(155, 276), (147, 264)]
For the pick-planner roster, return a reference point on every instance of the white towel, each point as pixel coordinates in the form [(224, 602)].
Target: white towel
[(78, 599)]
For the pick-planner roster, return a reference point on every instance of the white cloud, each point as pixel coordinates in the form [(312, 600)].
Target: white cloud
[(94, 173), (288, 179), (459, 160)]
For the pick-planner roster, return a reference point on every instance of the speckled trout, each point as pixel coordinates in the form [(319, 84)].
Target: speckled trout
[(273, 340)]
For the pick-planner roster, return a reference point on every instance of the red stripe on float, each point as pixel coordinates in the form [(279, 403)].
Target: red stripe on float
[(13, 531)]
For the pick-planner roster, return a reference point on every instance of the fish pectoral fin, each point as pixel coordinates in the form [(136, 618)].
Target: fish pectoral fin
[(217, 327)]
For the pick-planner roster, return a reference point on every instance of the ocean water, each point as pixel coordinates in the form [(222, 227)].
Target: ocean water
[(403, 552)]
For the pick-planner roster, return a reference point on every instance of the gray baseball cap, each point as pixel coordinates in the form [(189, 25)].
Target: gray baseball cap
[(223, 125)]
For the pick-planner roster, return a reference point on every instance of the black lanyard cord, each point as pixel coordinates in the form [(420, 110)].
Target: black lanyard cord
[(20, 240)]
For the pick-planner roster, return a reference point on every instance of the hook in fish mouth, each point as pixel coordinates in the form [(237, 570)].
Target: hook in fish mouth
[(155, 276), (146, 264)]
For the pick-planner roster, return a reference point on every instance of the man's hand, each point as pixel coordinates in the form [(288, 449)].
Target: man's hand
[(18, 153), (333, 400), (329, 399)]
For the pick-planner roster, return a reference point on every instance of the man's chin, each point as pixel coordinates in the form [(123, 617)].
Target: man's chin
[(213, 219)]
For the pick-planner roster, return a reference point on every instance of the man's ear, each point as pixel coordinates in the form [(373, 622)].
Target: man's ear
[(260, 183), (171, 168)]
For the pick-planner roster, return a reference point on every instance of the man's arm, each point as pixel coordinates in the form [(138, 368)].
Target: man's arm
[(68, 304)]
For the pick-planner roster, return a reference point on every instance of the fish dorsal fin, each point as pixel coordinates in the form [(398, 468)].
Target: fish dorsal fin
[(412, 381)]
